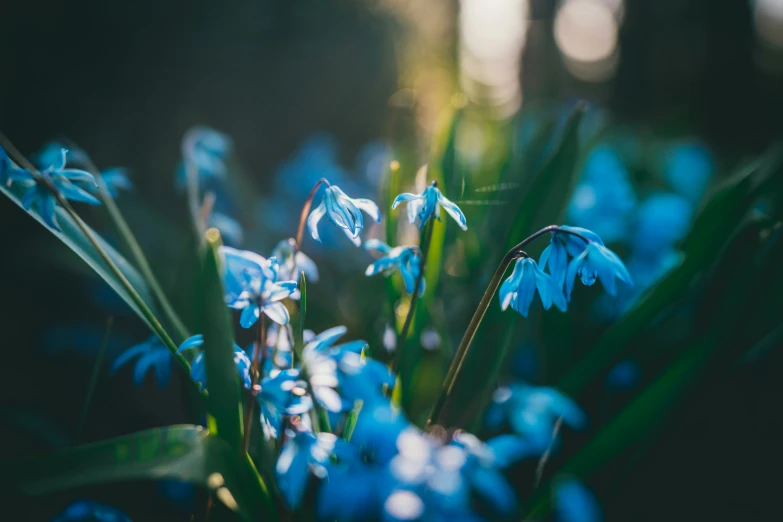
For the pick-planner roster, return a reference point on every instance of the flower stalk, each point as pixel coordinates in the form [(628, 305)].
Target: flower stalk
[(305, 211), (516, 252), (255, 376)]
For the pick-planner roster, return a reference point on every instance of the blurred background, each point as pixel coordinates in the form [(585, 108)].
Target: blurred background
[(679, 93)]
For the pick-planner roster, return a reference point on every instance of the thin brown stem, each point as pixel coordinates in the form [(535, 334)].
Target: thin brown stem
[(305, 211), (255, 376)]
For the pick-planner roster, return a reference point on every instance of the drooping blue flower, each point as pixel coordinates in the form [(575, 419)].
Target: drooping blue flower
[(116, 179), (532, 411), (376, 432), (59, 177), (293, 263), (562, 245), (662, 220), (517, 291), (198, 367), (406, 259), (362, 378), (343, 211), (597, 262), (604, 198), (422, 207), (205, 150), (575, 503), (151, 353), (251, 285), (90, 511)]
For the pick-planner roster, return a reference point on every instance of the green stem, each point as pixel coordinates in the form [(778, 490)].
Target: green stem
[(138, 254), (256, 375), (93, 379), (134, 295), (425, 247), (456, 364)]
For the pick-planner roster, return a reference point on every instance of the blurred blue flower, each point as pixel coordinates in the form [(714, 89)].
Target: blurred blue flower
[(116, 179), (531, 411), (230, 229), (661, 221), (363, 378), (623, 375), (562, 245), (251, 286), (403, 258), (198, 367), (90, 511), (343, 211), (323, 344), (688, 168), (597, 262), (206, 151), (517, 291), (150, 354), (421, 207), (293, 263), (575, 503), (284, 393), (604, 198), (376, 432), (5, 165), (352, 491), (59, 177)]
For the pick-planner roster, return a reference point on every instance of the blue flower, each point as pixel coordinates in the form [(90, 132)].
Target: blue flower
[(5, 165), (575, 503), (343, 211), (376, 432), (688, 168), (532, 411), (282, 394), (251, 286), (151, 354), (517, 291), (230, 229), (604, 199), (597, 262), (406, 259), (563, 245), (661, 221), (305, 453), (352, 491), (198, 367), (58, 177), (421, 207), (293, 262), (89, 511), (205, 150), (363, 379), (116, 179)]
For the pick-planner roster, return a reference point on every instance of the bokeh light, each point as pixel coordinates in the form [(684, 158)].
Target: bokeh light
[(586, 35)]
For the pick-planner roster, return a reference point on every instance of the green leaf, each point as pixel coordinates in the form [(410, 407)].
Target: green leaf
[(224, 402), (78, 242), (184, 453), (299, 331)]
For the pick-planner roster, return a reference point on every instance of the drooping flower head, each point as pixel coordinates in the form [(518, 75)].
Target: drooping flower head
[(198, 368), (251, 285), (597, 262), (205, 150), (406, 259), (116, 179), (59, 177), (561, 246), (343, 211), (517, 291), (150, 354), (422, 207)]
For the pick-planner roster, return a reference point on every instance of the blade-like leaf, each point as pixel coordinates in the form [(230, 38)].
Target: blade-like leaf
[(183, 453), (78, 242), (224, 403)]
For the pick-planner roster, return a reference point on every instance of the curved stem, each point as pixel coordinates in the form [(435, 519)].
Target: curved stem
[(456, 364), (305, 211), (425, 247)]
